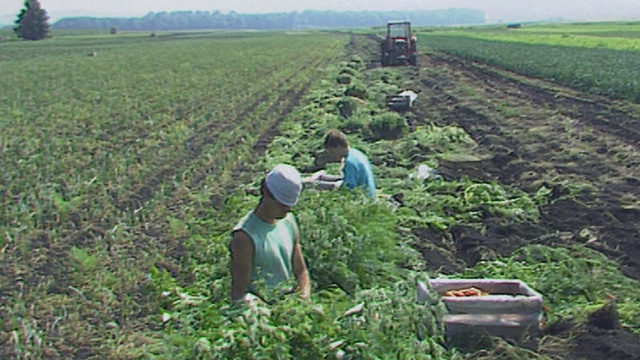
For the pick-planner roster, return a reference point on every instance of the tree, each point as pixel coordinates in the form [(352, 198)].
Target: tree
[(32, 23)]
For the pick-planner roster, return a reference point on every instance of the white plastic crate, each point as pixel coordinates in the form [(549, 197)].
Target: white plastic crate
[(512, 310), (505, 296)]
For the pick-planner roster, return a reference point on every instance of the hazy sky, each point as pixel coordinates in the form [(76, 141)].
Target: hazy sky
[(495, 10)]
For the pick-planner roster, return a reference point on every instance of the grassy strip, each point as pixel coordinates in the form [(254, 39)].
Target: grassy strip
[(569, 40), (601, 71), (629, 29)]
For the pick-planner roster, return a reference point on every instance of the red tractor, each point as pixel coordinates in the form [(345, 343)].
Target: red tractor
[(399, 47)]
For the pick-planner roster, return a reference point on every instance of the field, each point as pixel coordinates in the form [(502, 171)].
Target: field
[(125, 170), (598, 58)]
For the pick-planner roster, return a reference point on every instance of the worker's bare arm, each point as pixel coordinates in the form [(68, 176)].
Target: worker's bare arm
[(300, 269), (329, 178), (327, 185), (242, 251)]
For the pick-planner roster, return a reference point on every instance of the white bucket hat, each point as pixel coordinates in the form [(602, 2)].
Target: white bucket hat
[(285, 184)]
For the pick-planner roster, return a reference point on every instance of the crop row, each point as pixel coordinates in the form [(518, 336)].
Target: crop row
[(123, 124), (571, 40), (605, 29), (153, 280), (601, 71), (359, 251), (98, 156)]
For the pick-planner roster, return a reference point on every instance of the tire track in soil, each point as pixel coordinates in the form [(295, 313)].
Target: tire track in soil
[(599, 112), (513, 164)]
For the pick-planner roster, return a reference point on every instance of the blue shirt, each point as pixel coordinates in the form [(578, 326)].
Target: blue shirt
[(357, 172)]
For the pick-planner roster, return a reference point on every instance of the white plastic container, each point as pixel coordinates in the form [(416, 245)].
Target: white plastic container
[(402, 101), (505, 296), (512, 310)]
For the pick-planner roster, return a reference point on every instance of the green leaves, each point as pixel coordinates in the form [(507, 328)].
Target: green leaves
[(381, 321), (571, 279), (352, 244), (441, 204), (115, 170), (607, 70), (83, 261)]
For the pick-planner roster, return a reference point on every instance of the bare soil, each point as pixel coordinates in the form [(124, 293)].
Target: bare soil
[(536, 133)]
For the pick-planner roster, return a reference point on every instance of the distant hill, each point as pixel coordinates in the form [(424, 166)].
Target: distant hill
[(196, 20)]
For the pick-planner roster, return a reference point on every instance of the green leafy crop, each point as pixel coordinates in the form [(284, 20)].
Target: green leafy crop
[(574, 281)]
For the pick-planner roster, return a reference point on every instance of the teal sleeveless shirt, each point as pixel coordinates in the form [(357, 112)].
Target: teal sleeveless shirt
[(273, 248)]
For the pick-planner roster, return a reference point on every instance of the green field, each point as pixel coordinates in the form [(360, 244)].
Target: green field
[(127, 159), (599, 58), (96, 152)]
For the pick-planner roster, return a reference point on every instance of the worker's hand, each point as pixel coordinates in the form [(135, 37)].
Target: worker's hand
[(308, 182), (303, 293), (318, 175), (249, 300)]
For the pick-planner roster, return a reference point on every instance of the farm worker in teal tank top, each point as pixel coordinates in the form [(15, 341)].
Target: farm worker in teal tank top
[(356, 168), (265, 244)]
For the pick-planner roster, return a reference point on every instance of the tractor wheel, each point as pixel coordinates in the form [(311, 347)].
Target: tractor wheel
[(413, 60), (386, 59)]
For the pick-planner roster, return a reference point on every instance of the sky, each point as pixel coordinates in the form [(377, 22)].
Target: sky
[(495, 10)]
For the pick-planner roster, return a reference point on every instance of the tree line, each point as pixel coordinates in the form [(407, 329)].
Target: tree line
[(198, 20)]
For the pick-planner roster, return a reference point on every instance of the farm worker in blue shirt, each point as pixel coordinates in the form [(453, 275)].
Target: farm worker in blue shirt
[(356, 169), (265, 244)]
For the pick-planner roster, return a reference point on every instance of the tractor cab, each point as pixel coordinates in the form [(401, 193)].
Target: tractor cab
[(399, 46)]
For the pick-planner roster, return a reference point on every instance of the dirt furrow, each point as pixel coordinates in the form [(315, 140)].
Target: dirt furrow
[(599, 112), (538, 135), (531, 133)]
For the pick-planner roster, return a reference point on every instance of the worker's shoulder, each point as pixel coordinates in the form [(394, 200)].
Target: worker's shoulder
[(357, 155), (291, 217), (243, 221), (291, 220), (358, 161), (240, 239)]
